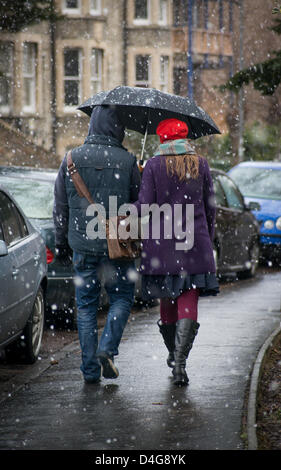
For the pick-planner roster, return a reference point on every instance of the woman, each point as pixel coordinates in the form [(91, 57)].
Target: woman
[(175, 272)]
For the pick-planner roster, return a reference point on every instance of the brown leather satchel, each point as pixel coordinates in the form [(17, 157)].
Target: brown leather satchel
[(117, 248)]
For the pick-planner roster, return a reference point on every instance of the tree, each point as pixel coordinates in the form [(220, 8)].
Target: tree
[(17, 14), (265, 76)]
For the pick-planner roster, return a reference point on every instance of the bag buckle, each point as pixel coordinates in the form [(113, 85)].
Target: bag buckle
[(72, 169)]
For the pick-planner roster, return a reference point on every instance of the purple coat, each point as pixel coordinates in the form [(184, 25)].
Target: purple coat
[(160, 256)]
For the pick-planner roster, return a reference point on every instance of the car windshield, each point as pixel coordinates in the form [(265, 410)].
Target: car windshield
[(35, 197), (258, 182)]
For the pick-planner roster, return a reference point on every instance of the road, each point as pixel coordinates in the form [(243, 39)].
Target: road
[(142, 409)]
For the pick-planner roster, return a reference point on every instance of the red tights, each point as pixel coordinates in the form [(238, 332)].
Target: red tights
[(184, 306)]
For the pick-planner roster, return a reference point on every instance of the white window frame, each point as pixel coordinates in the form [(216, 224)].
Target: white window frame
[(164, 73), (71, 11), (75, 78), (163, 21), (97, 78), (143, 21), (31, 77), (143, 83), (6, 108), (95, 11)]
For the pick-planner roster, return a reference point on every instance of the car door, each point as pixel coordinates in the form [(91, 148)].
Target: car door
[(225, 228), (17, 273), (9, 291), (238, 249)]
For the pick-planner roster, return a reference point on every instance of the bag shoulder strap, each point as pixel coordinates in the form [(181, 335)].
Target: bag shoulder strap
[(79, 183)]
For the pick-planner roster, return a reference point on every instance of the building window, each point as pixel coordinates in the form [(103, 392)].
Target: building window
[(199, 9), (163, 12), (164, 73), (71, 6), (142, 12), (143, 70), (29, 77), (6, 76), (180, 81), (96, 70), (72, 77), (95, 7)]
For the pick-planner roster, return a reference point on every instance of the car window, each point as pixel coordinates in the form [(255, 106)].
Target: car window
[(258, 182), (219, 194), (233, 196), (12, 223), (35, 197)]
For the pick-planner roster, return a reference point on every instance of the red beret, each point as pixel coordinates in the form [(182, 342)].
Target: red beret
[(171, 129)]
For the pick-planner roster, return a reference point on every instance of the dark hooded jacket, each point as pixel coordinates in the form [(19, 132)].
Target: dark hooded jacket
[(107, 168)]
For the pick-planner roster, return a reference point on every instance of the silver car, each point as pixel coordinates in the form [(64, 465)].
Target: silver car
[(23, 282)]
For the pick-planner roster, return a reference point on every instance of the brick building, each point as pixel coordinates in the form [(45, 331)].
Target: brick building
[(179, 46)]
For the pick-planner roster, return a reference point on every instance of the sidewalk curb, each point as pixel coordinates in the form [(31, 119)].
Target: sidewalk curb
[(254, 388)]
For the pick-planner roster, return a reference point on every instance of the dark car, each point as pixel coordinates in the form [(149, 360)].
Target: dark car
[(236, 242), (23, 282), (33, 190)]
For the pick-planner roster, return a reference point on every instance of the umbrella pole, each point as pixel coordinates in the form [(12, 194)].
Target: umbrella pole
[(143, 145), (144, 139)]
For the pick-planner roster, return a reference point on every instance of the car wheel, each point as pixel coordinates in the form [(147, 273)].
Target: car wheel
[(27, 347), (34, 328), (253, 262), (254, 258)]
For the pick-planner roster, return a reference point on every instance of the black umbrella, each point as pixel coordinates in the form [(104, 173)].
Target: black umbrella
[(142, 109)]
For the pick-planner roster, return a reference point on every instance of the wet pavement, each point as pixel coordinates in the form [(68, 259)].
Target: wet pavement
[(141, 409)]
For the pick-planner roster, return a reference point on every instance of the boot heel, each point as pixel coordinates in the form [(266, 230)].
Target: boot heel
[(180, 376), (171, 360)]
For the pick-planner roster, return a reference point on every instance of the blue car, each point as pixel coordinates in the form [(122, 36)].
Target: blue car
[(260, 184)]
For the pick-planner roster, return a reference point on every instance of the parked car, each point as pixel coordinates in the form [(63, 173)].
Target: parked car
[(23, 282), (260, 183), (33, 189), (236, 241)]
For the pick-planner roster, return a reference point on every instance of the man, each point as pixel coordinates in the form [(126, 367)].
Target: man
[(108, 170)]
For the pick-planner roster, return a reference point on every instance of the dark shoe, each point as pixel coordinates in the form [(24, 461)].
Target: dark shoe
[(186, 330), (168, 332), (109, 370)]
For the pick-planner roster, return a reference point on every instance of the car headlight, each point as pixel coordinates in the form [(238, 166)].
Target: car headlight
[(278, 223), (269, 224)]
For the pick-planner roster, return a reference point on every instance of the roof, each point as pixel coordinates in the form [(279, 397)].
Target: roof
[(26, 172), (261, 164), (18, 149)]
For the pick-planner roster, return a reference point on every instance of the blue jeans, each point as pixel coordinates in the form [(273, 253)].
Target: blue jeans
[(90, 270)]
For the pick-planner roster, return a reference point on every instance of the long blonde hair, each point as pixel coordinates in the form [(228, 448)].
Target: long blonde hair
[(184, 166)]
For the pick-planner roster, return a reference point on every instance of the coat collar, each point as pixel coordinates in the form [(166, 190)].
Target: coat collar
[(103, 140)]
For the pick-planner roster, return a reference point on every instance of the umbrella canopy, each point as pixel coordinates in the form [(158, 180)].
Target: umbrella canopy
[(142, 109)]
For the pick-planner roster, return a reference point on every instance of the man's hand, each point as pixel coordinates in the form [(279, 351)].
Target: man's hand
[(63, 254)]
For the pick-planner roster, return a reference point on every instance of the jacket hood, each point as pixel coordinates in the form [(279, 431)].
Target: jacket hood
[(105, 121)]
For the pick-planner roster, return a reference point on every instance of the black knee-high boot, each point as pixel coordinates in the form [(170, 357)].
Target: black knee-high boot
[(186, 330), (168, 332)]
